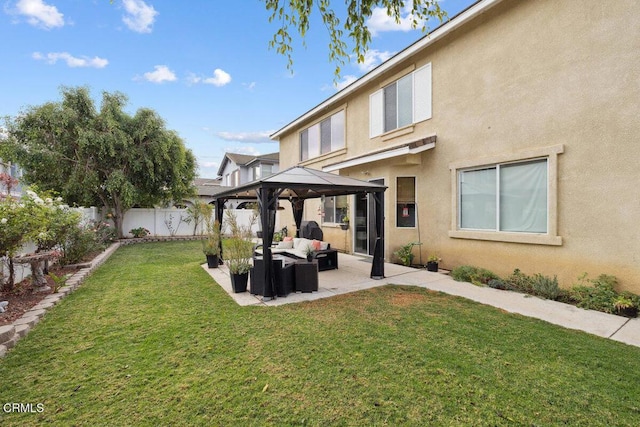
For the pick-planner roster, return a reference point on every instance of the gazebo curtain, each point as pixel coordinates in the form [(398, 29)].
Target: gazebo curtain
[(298, 209)]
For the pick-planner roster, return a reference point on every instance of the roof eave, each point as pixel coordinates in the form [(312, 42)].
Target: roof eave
[(454, 23)]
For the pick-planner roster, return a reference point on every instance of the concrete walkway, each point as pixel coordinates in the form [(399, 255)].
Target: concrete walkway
[(353, 275)]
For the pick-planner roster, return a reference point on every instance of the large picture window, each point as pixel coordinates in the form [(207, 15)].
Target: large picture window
[(505, 197), (401, 103), (323, 137), (406, 201), (335, 209)]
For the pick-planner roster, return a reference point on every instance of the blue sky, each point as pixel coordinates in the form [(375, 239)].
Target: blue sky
[(203, 65)]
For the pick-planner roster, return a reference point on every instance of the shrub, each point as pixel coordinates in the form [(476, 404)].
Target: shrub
[(518, 281), (545, 287), (105, 233), (600, 295), (477, 276), (405, 254), (139, 232), (498, 284), (81, 242), (463, 273)]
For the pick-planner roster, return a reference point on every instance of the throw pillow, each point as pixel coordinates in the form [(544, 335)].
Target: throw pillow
[(285, 245), (316, 245), (288, 239)]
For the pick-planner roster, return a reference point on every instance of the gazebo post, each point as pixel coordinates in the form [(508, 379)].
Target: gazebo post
[(267, 237), (219, 206), (377, 266)]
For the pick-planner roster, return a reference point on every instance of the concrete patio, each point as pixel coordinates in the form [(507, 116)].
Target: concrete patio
[(353, 275)]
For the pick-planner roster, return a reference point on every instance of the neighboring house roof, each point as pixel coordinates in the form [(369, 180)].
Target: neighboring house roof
[(271, 157), (441, 31), (246, 160), (208, 186)]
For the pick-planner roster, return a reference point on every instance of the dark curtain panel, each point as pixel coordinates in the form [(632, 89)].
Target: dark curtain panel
[(298, 209), (219, 206), (377, 266)]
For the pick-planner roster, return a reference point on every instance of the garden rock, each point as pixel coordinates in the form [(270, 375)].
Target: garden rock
[(3, 306), (7, 332)]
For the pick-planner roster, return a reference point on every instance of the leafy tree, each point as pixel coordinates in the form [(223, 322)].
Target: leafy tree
[(295, 14), (100, 157)]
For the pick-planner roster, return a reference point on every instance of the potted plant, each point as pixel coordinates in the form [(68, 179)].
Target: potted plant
[(626, 305), (239, 251), (432, 263), (309, 253), (211, 244), (345, 222)]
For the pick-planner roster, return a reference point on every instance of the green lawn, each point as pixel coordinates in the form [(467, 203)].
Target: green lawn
[(149, 339)]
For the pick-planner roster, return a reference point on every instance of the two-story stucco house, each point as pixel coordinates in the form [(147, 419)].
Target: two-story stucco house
[(236, 169), (508, 138)]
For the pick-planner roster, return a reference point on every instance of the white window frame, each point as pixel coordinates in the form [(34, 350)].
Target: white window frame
[(235, 178), (551, 237), (421, 102), (314, 136), (324, 210)]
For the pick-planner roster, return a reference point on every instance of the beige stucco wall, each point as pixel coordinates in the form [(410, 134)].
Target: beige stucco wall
[(523, 76)]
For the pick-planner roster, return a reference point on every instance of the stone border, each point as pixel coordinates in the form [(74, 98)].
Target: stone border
[(149, 239), (10, 334)]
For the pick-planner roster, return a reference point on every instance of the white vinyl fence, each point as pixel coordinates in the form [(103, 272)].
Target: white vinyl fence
[(161, 222), (175, 222)]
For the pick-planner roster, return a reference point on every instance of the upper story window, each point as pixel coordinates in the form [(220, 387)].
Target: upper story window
[(401, 103), (261, 171), (234, 178), (266, 170), (323, 137)]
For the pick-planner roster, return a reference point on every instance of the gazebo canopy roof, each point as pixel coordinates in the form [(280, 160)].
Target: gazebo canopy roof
[(303, 183)]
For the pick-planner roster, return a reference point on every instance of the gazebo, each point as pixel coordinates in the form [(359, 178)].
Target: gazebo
[(296, 184)]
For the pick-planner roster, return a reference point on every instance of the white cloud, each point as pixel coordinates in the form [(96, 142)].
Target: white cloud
[(161, 74), (244, 137), (380, 22), (140, 16), (209, 164), (247, 149), (72, 61), (346, 81), (40, 14), (373, 58), (220, 78)]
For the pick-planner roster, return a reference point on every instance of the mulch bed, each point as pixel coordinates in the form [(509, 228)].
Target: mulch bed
[(21, 300), (23, 297)]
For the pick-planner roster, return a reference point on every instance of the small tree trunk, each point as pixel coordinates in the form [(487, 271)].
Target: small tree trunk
[(118, 217), (8, 285)]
